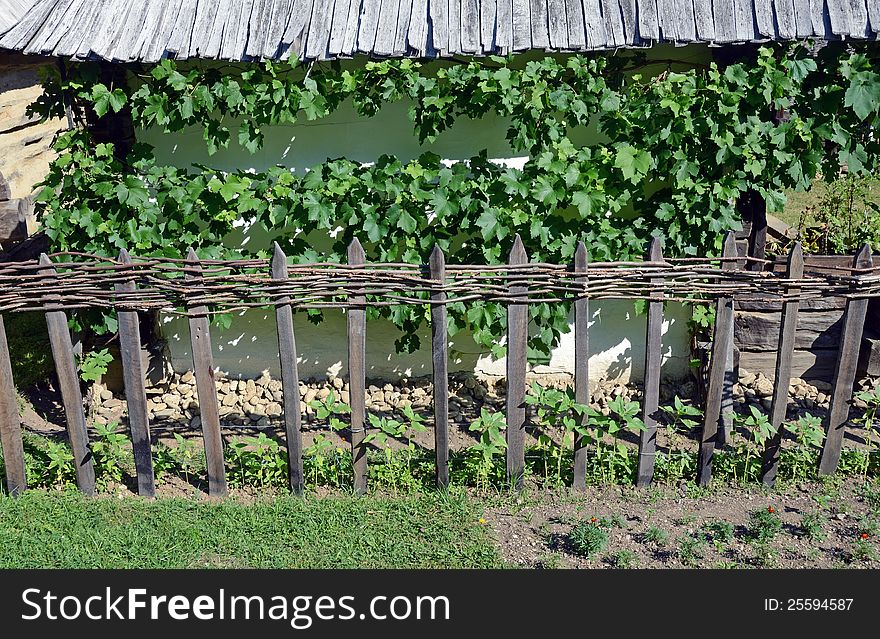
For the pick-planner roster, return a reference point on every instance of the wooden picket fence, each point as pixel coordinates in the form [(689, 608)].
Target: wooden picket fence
[(789, 288)]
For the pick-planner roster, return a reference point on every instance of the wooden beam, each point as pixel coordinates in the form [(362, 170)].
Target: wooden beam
[(357, 335), (653, 359), (440, 358), (581, 364), (517, 343)]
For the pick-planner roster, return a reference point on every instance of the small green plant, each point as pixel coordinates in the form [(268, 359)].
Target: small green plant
[(256, 461), (720, 533), (588, 538), (491, 444), (863, 550), (60, 469), (764, 524), (325, 463), (813, 526), (554, 408), (869, 421), (624, 559), (613, 458), (94, 365), (184, 458), (330, 409), (760, 429), (809, 434), (656, 536), (690, 550), (110, 453), (765, 554), (396, 471)]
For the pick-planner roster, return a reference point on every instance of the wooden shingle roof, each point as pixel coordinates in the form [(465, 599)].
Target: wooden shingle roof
[(11, 12), (149, 30)]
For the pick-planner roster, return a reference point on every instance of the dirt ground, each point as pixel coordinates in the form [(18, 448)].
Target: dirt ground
[(532, 531)]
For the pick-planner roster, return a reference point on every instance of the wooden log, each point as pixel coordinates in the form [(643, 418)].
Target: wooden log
[(845, 372), (206, 386), (71, 395), (722, 342), (440, 359), (517, 343), (357, 330), (289, 377), (787, 330), (653, 359), (581, 365), (135, 391), (816, 329), (817, 363), (10, 422)]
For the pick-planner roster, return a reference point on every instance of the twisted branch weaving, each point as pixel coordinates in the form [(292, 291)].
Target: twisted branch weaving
[(80, 281)]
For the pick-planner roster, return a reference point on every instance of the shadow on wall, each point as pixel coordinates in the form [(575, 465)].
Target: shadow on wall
[(250, 347)]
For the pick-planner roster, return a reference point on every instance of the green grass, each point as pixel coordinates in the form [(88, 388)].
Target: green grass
[(66, 530)]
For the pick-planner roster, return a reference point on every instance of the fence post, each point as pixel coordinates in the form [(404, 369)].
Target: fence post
[(289, 376), (439, 353), (581, 364), (71, 395), (135, 392), (845, 372), (722, 341), (206, 387), (782, 378), (517, 343), (357, 329), (653, 358), (10, 422)]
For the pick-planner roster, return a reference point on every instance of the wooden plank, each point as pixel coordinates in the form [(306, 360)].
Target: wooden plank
[(597, 36), (470, 26), (859, 20), (629, 18), (613, 22), (784, 10), (402, 27), (504, 24), (812, 364), (649, 28), (135, 390), (357, 330), (574, 20), (744, 20), (10, 422), (206, 387), (556, 24), (653, 359), (487, 25), (417, 37), (772, 306), (539, 26), (71, 395), (368, 25), (440, 24), (340, 23), (387, 27), (756, 331), (722, 342), (517, 342), (725, 21), (581, 364), (522, 25), (704, 21), (782, 378), (319, 31), (819, 19), (802, 22), (454, 10), (840, 15), (440, 360), (289, 376), (667, 21), (845, 372), (687, 25)]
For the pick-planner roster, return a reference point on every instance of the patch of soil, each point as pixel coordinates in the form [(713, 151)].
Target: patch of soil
[(532, 530)]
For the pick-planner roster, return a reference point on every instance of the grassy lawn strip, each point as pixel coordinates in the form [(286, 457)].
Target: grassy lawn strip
[(66, 530)]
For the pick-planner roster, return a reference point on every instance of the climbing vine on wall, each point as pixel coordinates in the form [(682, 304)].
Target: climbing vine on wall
[(679, 148)]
